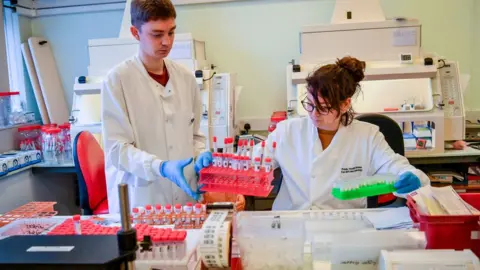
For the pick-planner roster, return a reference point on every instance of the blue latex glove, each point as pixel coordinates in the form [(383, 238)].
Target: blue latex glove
[(204, 160), (173, 170), (407, 182)]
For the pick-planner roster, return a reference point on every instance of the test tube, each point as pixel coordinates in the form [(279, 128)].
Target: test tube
[(257, 164), (158, 214), (246, 163), (263, 152), (167, 218), (188, 209), (268, 164), (226, 160), (214, 159), (239, 147), (135, 214), (215, 149), (76, 223), (148, 214), (177, 216), (252, 144), (234, 162), (274, 146)]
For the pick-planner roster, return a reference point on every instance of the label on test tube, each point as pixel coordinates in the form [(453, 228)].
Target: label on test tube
[(226, 160), (234, 162), (215, 159), (268, 164)]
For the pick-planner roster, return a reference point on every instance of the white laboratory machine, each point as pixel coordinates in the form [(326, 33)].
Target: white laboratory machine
[(219, 99), (419, 90)]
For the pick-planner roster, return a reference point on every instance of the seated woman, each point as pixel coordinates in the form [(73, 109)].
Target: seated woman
[(331, 145)]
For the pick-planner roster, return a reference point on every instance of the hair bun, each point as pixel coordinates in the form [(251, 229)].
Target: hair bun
[(353, 66)]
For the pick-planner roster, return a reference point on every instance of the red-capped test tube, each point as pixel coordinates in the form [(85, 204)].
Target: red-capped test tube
[(76, 224)]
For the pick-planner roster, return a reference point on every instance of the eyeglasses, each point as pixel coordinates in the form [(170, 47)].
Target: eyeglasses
[(310, 107)]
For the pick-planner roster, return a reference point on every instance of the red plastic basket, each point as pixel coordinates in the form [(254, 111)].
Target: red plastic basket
[(248, 183), (450, 232)]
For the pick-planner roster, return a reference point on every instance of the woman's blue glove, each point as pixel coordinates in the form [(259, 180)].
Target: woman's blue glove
[(203, 160), (173, 171), (407, 182)]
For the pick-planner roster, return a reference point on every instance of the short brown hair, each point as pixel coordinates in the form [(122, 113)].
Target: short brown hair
[(335, 83), (142, 11)]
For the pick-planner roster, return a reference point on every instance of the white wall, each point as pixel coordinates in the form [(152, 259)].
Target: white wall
[(258, 38)]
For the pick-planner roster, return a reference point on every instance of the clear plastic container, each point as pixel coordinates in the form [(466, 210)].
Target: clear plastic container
[(28, 137), (5, 108), (53, 146), (16, 112), (65, 132)]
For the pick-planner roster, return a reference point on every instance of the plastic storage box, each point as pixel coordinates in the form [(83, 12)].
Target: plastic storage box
[(450, 232)]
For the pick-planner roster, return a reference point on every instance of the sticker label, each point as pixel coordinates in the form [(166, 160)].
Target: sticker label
[(50, 248)]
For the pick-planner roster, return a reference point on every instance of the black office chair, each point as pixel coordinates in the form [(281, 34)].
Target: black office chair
[(394, 137)]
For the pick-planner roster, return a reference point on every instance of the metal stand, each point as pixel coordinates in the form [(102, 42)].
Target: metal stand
[(127, 236)]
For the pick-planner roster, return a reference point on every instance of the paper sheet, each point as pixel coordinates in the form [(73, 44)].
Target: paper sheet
[(394, 218)]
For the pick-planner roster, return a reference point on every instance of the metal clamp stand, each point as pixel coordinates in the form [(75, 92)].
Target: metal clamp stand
[(127, 236)]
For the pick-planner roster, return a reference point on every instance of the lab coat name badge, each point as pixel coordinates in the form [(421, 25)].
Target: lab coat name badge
[(352, 169)]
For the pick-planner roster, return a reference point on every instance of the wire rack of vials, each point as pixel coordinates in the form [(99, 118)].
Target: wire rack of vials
[(240, 172)]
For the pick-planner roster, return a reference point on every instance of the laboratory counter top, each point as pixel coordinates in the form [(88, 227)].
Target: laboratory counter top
[(468, 155)]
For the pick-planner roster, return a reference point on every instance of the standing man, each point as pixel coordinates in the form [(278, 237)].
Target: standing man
[(151, 113)]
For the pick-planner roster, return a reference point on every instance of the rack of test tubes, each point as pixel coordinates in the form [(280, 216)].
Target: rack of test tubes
[(28, 226), (188, 216), (155, 243), (29, 210), (240, 172)]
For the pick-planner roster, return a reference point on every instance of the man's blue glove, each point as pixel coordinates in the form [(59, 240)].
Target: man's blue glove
[(173, 170), (203, 160), (407, 182)]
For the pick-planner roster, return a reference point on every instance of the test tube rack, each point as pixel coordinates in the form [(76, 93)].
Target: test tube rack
[(29, 210), (249, 182)]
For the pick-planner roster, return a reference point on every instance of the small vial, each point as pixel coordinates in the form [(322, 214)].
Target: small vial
[(274, 146), (263, 152), (177, 216), (197, 211), (268, 165), (215, 159), (215, 149), (246, 163), (257, 163), (226, 160), (148, 214), (157, 219), (167, 218), (135, 215), (76, 224), (188, 217), (141, 214), (234, 162)]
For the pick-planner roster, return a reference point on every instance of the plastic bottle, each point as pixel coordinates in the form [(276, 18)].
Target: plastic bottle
[(148, 214), (76, 224), (188, 216), (135, 215), (257, 164), (268, 164), (197, 211), (167, 217), (158, 216), (177, 216)]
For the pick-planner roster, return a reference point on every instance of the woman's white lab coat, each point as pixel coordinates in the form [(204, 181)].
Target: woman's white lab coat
[(309, 171), (145, 123)]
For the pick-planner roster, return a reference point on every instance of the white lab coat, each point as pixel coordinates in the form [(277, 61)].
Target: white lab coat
[(309, 172), (145, 123)]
